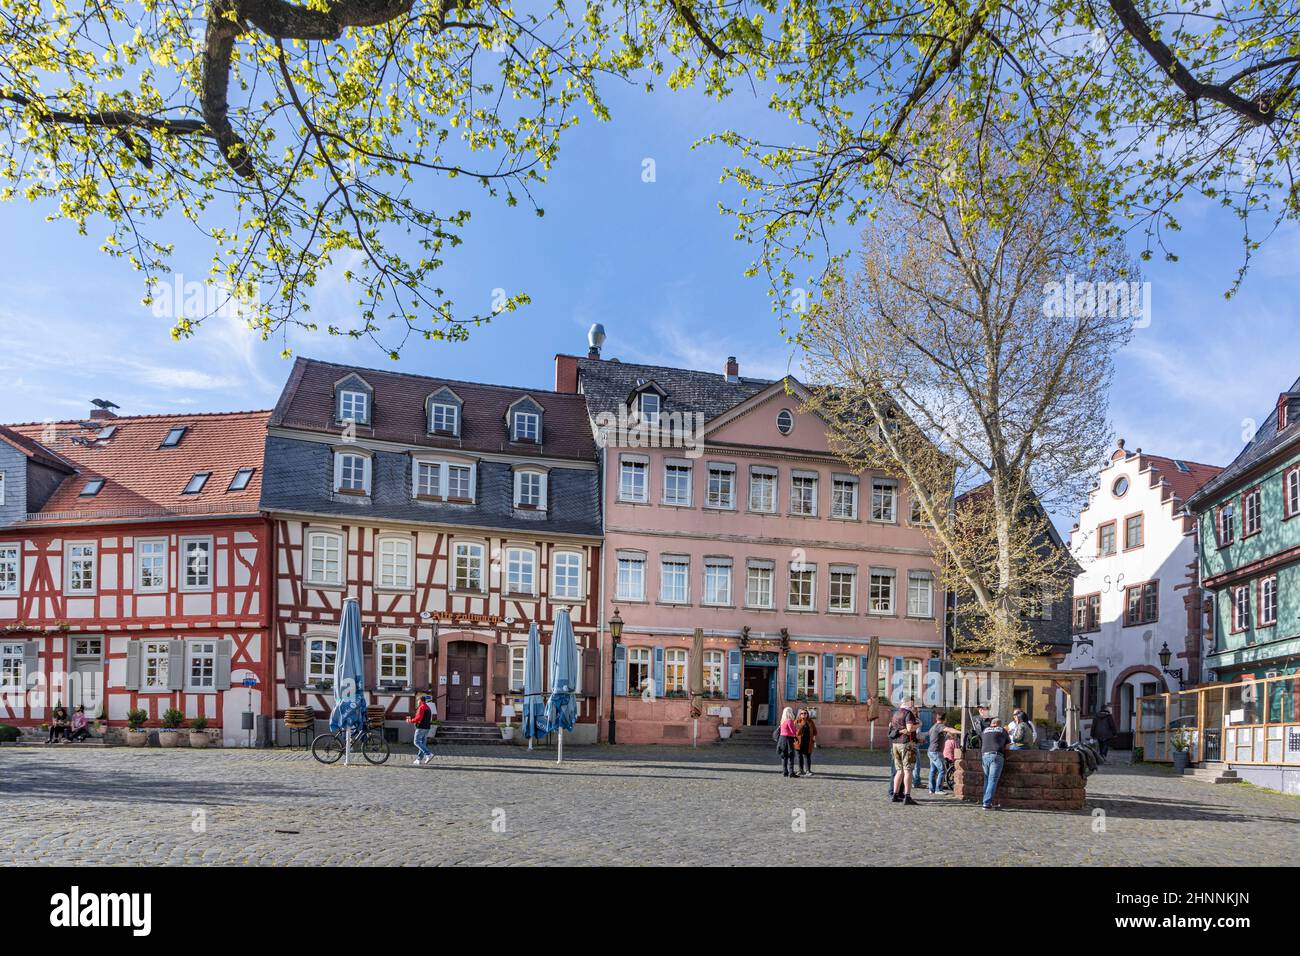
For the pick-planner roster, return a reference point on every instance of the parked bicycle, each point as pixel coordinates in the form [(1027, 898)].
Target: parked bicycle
[(370, 743)]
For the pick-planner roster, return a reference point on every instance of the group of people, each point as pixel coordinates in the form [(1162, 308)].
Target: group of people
[(68, 729), (796, 736)]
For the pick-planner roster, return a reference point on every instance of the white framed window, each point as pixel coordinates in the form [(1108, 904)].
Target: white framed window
[(649, 408), (201, 666), (785, 421), (844, 589), (530, 490), (806, 676), (881, 593), (1241, 607), (395, 563), (468, 557), (354, 406), (762, 490), (11, 665), (844, 497), (10, 577), (1251, 520), (449, 480), (395, 663), (80, 557), (803, 493), (518, 654), (721, 486), (916, 515), (884, 499), (803, 586), (1268, 601), (427, 479), (631, 577), (155, 663), (325, 558), (674, 670), (920, 594), (566, 575), (351, 473), (2, 487), (846, 676), (639, 674), (527, 427), (677, 483), (674, 579), (713, 672), (460, 482), (196, 568), (912, 678), (717, 581), (321, 654), (758, 584), (632, 473), (521, 571), (444, 418), (1290, 491), (150, 565)]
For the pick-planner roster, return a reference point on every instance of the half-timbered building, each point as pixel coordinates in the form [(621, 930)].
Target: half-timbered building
[(133, 564), (457, 513)]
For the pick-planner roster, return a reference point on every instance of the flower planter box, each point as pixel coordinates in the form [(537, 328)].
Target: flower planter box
[(169, 737), (137, 738), (199, 739)]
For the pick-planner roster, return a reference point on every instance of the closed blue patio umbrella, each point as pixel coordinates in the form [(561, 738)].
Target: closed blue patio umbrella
[(562, 707), (349, 677), (534, 718)]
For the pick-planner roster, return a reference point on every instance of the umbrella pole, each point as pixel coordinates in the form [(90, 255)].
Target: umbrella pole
[(347, 745), (559, 758)]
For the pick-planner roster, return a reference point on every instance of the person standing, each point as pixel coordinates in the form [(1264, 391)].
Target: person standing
[(934, 751), (904, 729), (785, 736), (993, 744), (423, 720), (1103, 731), (805, 739)]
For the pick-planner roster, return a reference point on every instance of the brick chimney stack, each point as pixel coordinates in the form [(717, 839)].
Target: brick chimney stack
[(733, 369)]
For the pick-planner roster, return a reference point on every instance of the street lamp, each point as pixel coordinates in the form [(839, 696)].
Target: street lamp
[(616, 633), (1164, 654)]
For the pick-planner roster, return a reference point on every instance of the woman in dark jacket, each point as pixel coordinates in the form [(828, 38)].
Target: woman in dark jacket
[(805, 738), (58, 724), (1103, 730)]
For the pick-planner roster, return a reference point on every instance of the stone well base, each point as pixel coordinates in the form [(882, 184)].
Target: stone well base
[(1031, 780)]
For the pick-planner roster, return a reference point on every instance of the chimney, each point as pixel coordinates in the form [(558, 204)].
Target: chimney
[(733, 369), (566, 374), (595, 339)]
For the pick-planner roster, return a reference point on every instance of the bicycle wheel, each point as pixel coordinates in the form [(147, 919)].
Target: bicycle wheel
[(375, 748), (327, 748)]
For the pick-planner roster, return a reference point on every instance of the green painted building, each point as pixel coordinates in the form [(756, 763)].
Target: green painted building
[(1249, 519)]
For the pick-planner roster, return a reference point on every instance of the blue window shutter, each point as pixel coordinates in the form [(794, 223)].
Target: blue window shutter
[(733, 674), (659, 671), (896, 683), (933, 692), (863, 685), (791, 675), (828, 677), (620, 670)]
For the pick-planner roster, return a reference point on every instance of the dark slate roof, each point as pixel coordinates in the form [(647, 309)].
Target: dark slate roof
[(607, 383), (1267, 441), (299, 473), (34, 450), (307, 402)]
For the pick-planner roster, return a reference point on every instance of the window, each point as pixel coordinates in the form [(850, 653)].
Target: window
[(530, 490), (518, 658), (784, 421), (631, 577), (713, 672), (428, 479), (201, 666), (321, 652), (395, 663), (677, 483), (451, 481), (1132, 532), (632, 480), (197, 555), (803, 493), (844, 498), (674, 579), (11, 665), (1106, 539), (395, 563), (674, 670), (803, 586), (721, 487), (911, 678), (1224, 525), (758, 584), (174, 436), (527, 427), (151, 565), (567, 571), (155, 662), (882, 591), (1036, 605), (638, 671), (460, 482), (353, 405), (920, 594), (844, 587), (1119, 487), (806, 676), (884, 499), (468, 559), (762, 490), (521, 566), (650, 408), (196, 483), (1241, 607), (241, 479), (91, 488), (1142, 603), (1250, 514), (444, 418), (1267, 615), (2, 487), (846, 676), (1290, 491), (351, 473), (717, 581), (81, 568), (9, 570), (324, 558)]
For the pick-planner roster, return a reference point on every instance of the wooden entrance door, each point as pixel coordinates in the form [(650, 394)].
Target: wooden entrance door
[(466, 680)]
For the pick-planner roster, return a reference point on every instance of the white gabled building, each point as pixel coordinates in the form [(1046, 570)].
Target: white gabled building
[(1139, 588)]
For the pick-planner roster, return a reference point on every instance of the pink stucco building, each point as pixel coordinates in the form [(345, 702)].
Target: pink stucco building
[(724, 509)]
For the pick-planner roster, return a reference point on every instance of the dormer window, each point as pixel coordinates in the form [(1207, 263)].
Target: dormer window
[(440, 480), (527, 427), (351, 473), (354, 406), (444, 419), (530, 489), (650, 408)]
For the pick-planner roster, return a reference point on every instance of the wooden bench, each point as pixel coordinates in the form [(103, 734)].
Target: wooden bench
[(301, 723)]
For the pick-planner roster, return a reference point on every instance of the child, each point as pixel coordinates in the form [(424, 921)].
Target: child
[(950, 760)]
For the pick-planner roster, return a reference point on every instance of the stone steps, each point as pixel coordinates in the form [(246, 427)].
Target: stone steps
[(758, 736), (469, 734), (1212, 773)]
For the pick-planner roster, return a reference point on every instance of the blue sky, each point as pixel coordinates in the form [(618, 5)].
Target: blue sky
[(655, 262)]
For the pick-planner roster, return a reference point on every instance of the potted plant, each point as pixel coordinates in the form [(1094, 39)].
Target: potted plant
[(170, 736), (724, 731), (199, 733), (1138, 754), (1181, 741), (136, 735), (507, 731)]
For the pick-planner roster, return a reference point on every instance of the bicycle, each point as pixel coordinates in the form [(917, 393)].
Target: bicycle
[(328, 748)]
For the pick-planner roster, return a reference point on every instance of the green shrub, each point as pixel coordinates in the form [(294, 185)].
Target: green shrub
[(171, 718), (8, 734), (135, 718), (199, 723)]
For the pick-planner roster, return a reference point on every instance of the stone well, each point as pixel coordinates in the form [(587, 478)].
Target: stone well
[(1031, 780)]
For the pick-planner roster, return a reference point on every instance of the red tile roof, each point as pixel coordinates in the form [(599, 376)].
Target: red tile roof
[(143, 480), (1181, 483)]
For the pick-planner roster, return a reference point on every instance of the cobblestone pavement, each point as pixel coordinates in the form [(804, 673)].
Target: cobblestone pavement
[(503, 806)]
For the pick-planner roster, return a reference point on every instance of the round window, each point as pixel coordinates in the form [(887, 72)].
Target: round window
[(784, 421), (1119, 487)]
